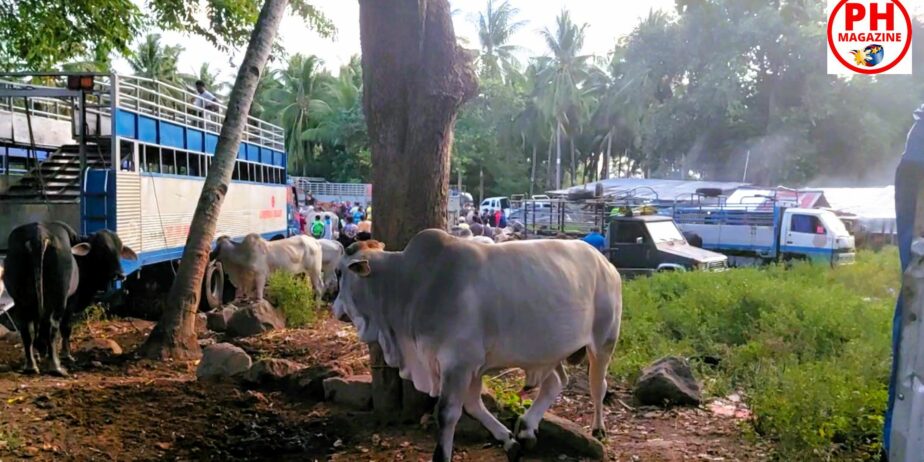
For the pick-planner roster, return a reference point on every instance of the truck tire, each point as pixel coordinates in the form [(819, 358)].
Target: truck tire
[(213, 287)]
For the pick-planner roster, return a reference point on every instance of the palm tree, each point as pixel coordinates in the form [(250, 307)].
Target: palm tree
[(496, 26), (296, 102), (562, 76), (208, 77), (156, 61)]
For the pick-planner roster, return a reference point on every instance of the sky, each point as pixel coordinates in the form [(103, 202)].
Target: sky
[(606, 20)]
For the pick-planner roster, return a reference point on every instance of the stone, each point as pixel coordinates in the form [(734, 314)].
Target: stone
[(308, 383), (99, 349), (3, 331), (217, 320), (201, 324), (669, 381), (271, 373), (561, 436), (221, 361), (354, 391), (253, 319)]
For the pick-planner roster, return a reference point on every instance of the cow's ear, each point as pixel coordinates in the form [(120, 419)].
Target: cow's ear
[(127, 253), (81, 250), (361, 267)]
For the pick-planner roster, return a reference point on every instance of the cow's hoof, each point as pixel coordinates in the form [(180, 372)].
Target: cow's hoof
[(58, 372), (526, 437), (599, 434), (514, 450), (33, 370)]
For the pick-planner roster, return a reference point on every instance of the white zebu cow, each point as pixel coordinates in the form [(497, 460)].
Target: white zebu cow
[(331, 253), (446, 311), (250, 263)]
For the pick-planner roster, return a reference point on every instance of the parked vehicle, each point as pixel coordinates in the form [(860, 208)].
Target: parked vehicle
[(494, 203), (645, 244), (769, 233), (133, 159)]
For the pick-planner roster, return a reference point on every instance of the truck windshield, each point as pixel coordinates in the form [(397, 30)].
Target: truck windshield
[(664, 231), (833, 223)]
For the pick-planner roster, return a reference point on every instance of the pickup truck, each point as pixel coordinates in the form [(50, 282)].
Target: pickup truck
[(769, 233), (645, 244)]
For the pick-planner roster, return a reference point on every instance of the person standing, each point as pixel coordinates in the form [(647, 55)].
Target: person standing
[(328, 227), (364, 230), (595, 239), (348, 236), (317, 227)]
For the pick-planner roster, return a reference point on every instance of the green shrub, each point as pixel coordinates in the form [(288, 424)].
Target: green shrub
[(293, 296), (809, 345), (507, 393)]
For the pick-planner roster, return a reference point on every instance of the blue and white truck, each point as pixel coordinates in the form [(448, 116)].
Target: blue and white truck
[(131, 155), (768, 230)]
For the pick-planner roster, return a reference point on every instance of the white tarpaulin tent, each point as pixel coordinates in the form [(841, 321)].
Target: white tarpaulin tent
[(662, 190), (873, 207)]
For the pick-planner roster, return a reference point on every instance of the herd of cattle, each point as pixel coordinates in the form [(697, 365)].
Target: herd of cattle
[(446, 310)]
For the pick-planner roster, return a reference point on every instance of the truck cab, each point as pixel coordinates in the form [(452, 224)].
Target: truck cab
[(817, 235), (646, 244)]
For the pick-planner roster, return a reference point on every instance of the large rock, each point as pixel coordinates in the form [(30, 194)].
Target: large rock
[(669, 381), (308, 383), (561, 436), (271, 373), (255, 318), (221, 361), (217, 321), (354, 391), (99, 349)]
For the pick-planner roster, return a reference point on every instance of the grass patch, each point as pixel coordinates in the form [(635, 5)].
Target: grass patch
[(9, 440), (507, 393), (294, 297), (810, 346)]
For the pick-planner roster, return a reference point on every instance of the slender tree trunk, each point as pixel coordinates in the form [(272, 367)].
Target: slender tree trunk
[(480, 184), (174, 336), (415, 78), (606, 156), (573, 165), (549, 179), (532, 173), (557, 154)]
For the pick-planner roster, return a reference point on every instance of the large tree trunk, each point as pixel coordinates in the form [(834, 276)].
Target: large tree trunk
[(174, 336), (415, 78)]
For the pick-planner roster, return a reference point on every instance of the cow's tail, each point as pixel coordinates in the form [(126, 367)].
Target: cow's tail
[(37, 249)]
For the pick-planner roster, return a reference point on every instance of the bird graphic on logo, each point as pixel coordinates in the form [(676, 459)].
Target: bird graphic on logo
[(869, 56)]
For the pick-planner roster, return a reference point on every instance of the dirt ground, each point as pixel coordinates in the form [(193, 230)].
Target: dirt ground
[(123, 408)]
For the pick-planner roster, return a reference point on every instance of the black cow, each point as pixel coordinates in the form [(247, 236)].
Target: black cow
[(51, 274)]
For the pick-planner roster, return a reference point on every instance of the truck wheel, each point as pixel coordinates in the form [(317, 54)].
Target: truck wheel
[(213, 287)]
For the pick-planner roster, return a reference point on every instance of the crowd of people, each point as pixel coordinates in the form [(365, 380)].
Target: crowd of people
[(345, 222)]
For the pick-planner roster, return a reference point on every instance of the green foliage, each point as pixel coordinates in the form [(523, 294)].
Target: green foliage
[(39, 35), (294, 297), (10, 440), (809, 346), (507, 393), (95, 313)]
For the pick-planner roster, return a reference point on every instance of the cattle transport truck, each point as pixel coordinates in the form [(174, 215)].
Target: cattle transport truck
[(767, 229), (131, 154)]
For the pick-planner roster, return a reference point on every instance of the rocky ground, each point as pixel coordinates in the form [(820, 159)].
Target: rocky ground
[(117, 407)]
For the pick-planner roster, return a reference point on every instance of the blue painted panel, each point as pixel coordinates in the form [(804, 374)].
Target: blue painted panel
[(147, 129), (253, 152), (172, 135), (241, 148), (126, 125), (195, 141), (210, 142), (98, 204), (279, 159), (266, 156)]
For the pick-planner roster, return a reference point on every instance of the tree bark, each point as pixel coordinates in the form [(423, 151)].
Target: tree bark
[(573, 165), (607, 156), (532, 174), (174, 336), (415, 78), (558, 155), (549, 179)]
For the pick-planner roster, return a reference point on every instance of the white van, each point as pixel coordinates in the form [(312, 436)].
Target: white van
[(494, 203)]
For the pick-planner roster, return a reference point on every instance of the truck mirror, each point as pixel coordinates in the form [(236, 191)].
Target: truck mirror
[(640, 240)]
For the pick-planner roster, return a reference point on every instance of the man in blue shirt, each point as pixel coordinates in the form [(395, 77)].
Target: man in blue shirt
[(595, 239)]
